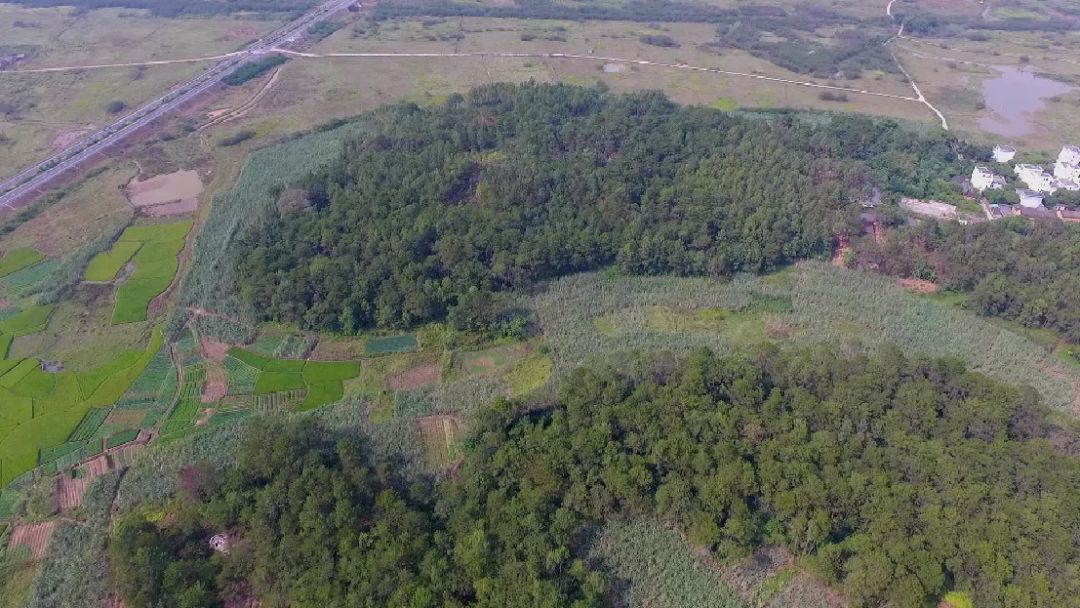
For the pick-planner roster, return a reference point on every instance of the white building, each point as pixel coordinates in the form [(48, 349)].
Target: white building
[(1004, 154), (1071, 185), (1036, 178), (1030, 198), (1067, 171), (1070, 155), (983, 178)]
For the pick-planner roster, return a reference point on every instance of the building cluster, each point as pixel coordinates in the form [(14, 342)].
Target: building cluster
[(1039, 181)]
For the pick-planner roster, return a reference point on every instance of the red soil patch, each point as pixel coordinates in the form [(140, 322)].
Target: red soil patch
[(70, 492), (213, 350), (34, 536), (217, 383), (919, 286), (417, 377)]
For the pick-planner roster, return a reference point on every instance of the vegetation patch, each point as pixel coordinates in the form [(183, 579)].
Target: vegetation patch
[(390, 344), (530, 374), (17, 259), (27, 321), (107, 264), (254, 69), (276, 382), (439, 435)]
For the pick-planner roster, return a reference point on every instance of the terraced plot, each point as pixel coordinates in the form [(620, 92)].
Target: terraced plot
[(17, 259), (155, 248)]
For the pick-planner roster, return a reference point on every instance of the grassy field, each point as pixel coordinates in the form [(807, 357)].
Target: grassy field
[(849, 310)]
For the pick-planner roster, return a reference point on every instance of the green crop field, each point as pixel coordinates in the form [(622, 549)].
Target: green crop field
[(317, 372), (63, 407), (22, 281), (155, 266), (529, 375), (322, 394), (242, 377), (17, 259), (107, 264), (276, 382), (118, 439), (27, 321)]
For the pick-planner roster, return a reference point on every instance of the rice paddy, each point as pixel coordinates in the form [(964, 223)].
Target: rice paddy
[(154, 250)]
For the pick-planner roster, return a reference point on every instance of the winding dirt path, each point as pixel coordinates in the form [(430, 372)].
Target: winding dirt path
[(914, 85)]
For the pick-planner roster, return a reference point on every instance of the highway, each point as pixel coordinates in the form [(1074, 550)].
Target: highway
[(32, 179)]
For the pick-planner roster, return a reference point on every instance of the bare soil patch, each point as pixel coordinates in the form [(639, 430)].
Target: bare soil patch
[(33, 536), (416, 377), (919, 286), (167, 188), (217, 383), (70, 492), (212, 349), (66, 139), (206, 415), (180, 207)]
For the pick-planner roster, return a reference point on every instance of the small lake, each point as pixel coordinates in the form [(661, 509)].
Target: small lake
[(1015, 97)]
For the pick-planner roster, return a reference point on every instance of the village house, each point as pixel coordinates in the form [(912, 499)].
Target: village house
[(1004, 154), (1036, 178), (1069, 155), (983, 178), (1030, 199)]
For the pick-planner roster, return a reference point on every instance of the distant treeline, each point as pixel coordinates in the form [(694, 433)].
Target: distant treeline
[(517, 184), (175, 8), (895, 480)]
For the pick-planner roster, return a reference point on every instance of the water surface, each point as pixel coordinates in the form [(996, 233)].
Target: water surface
[(1015, 97)]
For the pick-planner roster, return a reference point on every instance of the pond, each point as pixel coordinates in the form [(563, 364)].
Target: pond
[(1015, 97)]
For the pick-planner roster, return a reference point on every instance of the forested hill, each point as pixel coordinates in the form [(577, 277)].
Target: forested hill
[(511, 185), (896, 480)]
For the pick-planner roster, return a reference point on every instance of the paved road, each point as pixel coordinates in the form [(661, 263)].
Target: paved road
[(23, 185)]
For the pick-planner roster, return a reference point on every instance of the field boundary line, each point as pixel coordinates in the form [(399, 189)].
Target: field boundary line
[(132, 64)]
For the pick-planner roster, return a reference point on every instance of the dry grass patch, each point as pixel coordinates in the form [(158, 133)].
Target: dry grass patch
[(439, 435)]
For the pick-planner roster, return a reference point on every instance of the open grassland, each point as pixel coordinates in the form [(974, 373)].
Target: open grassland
[(652, 566), (46, 111), (60, 228), (43, 409), (68, 37), (807, 305)]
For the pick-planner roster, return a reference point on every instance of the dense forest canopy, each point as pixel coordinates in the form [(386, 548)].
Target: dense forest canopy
[(1020, 270), (898, 479), (512, 185)]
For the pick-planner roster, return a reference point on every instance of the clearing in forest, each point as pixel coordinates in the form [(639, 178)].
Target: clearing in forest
[(439, 435)]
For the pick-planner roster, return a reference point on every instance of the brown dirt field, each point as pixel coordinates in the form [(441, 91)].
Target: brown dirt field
[(125, 418), (70, 492), (97, 467), (217, 382), (918, 286), (413, 378), (329, 348), (164, 188), (180, 207), (212, 349), (34, 536)]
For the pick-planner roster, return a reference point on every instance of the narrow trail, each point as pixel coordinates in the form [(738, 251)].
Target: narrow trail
[(918, 93), (242, 110), (133, 64), (599, 58)]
